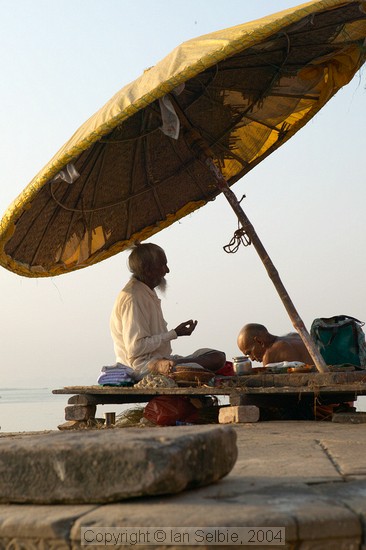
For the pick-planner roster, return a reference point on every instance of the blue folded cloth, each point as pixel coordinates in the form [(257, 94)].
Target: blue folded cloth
[(117, 375)]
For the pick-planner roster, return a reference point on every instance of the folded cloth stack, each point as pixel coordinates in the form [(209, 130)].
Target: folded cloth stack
[(117, 375)]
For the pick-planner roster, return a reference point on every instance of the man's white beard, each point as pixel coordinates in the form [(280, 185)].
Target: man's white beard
[(162, 286)]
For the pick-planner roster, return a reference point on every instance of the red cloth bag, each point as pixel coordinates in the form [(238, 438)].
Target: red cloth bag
[(166, 410)]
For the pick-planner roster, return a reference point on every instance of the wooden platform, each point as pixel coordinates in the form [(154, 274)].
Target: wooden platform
[(307, 383), (258, 389)]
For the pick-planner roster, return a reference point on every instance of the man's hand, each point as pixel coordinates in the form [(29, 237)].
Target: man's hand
[(186, 329)]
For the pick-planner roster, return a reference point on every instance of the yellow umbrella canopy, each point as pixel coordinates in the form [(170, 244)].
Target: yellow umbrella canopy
[(138, 164), (182, 133)]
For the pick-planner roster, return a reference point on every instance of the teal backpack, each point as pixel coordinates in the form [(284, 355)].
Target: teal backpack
[(340, 340)]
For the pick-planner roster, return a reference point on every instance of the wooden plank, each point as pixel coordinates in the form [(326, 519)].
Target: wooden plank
[(139, 396), (331, 394), (77, 390), (131, 391), (297, 380), (313, 382)]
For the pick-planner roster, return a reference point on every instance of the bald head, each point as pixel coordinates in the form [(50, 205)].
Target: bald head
[(249, 332), (253, 340)]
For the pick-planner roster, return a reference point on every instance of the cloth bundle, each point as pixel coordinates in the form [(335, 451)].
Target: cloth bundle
[(117, 375)]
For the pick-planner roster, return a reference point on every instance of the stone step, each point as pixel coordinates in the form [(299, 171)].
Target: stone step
[(107, 465)]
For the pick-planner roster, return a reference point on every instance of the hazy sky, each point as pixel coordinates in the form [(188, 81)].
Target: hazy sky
[(60, 61)]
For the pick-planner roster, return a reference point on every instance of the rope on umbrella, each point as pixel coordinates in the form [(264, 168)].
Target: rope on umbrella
[(240, 237)]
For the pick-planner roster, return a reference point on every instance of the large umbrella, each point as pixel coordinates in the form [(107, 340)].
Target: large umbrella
[(182, 133)]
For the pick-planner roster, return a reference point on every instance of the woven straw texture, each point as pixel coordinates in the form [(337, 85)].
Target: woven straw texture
[(247, 90)]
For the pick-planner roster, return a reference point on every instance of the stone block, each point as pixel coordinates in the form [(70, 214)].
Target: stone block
[(200, 509), (240, 414), (80, 412), (28, 527), (98, 466), (80, 400), (326, 520)]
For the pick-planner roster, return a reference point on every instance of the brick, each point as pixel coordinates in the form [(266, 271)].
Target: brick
[(240, 414), (79, 400), (80, 412)]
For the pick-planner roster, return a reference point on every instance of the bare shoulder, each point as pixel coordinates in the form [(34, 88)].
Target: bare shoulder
[(283, 349), (279, 351)]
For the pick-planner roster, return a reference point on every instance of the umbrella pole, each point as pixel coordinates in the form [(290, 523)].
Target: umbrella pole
[(268, 264)]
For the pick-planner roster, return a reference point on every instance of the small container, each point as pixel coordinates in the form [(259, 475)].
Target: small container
[(242, 365), (110, 419)]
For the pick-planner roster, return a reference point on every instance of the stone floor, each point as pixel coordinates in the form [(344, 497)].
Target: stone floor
[(307, 477)]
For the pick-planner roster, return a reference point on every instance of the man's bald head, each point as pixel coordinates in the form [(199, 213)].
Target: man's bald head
[(253, 340)]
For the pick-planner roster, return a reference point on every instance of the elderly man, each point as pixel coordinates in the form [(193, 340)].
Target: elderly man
[(255, 341), (139, 332)]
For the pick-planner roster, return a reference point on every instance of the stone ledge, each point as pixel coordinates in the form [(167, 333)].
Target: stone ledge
[(102, 466)]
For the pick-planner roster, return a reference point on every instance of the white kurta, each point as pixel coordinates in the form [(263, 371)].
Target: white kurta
[(138, 328)]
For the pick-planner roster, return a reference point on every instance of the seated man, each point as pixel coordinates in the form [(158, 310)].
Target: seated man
[(139, 331), (255, 341)]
